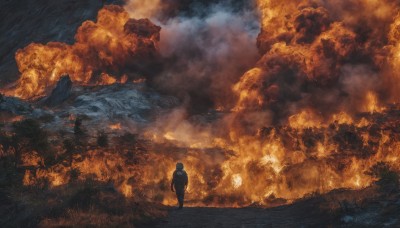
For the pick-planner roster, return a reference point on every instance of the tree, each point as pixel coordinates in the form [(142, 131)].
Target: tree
[(79, 133)]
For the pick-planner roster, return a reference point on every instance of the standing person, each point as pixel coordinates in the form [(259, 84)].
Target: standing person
[(180, 183)]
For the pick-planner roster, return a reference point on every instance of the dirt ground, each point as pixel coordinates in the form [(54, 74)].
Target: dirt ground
[(284, 216)]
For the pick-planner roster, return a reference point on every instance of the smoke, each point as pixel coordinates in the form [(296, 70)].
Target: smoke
[(321, 60), (359, 79), (178, 128), (206, 48), (143, 9), (328, 56)]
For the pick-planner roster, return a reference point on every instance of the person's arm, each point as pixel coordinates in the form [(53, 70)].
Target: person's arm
[(186, 180), (172, 182)]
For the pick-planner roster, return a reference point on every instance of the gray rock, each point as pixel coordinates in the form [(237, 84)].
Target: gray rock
[(347, 219), (14, 106), (60, 93)]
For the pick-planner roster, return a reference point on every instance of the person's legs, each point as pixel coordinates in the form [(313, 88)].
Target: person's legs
[(180, 195)]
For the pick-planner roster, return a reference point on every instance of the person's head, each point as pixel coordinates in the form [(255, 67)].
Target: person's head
[(179, 166)]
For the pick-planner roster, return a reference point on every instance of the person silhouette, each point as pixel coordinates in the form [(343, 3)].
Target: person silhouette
[(179, 183)]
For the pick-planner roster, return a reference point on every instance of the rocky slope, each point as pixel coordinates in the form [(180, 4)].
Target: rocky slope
[(100, 106)]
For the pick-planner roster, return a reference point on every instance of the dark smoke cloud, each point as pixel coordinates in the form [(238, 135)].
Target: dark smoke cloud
[(310, 23), (206, 47)]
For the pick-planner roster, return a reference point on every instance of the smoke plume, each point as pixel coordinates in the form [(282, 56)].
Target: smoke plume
[(206, 48)]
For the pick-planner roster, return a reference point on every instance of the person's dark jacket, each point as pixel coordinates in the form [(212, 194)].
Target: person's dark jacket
[(179, 180)]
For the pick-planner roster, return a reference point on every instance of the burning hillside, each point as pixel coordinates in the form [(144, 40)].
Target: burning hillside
[(314, 110)]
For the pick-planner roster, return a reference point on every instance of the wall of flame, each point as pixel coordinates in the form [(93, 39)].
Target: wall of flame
[(321, 63)]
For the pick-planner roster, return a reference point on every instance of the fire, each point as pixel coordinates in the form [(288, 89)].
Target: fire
[(372, 104), (311, 51), (106, 79), (112, 43), (307, 49), (237, 181), (116, 126), (283, 163), (126, 190), (138, 81), (307, 117), (342, 118)]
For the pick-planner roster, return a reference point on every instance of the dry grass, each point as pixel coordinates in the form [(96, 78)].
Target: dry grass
[(92, 204)]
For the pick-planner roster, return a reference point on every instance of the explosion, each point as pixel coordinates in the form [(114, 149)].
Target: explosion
[(100, 51), (313, 114), (322, 63), (322, 55)]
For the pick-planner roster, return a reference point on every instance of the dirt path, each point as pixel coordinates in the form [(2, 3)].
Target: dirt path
[(301, 215)]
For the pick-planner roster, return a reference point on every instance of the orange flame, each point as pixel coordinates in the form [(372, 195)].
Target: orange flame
[(306, 47), (116, 126), (111, 43)]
